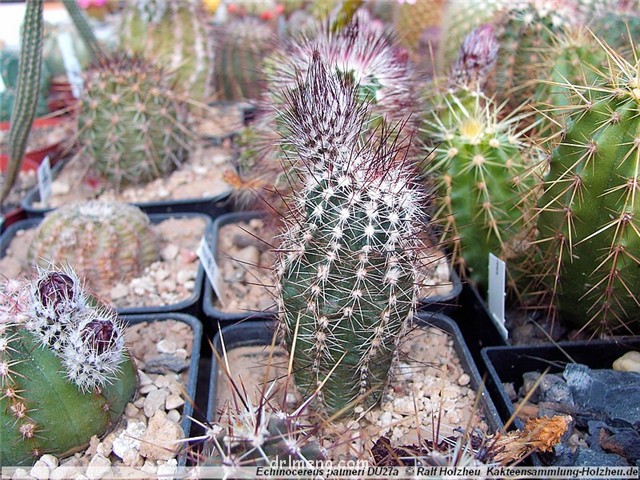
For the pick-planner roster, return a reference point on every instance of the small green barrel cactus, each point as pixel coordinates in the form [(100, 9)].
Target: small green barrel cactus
[(105, 242), (176, 35), (131, 125), (65, 374), (347, 263), (589, 213), (480, 165), (241, 46)]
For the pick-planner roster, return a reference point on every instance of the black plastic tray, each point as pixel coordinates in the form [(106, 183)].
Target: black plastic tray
[(189, 305), (211, 206), (444, 304), (260, 332), (192, 380)]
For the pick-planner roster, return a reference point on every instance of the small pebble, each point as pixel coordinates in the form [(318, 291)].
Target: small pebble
[(173, 402), (174, 416), (40, 470), (155, 401), (629, 362), (119, 291), (464, 380), (169, 252), (98, 467), (143, 378), (166, 346), (166, 363)]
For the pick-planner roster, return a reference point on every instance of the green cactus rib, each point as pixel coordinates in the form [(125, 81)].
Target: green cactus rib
[(27, 94), (84, 29), (63, 419), (588, 219)]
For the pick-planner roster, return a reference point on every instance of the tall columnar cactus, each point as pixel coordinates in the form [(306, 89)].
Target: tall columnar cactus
[(176, 35), (131, 124), (26, 100), (481, 166), (588, 215), (241, 46), (347, 263), (412, 19), (65, 375), (104, 242)]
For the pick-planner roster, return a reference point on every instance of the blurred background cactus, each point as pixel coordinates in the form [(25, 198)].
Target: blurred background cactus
[(176, 35), (64, 370), (104, 242), (131, 124)]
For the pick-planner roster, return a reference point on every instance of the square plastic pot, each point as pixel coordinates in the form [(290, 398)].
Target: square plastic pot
[(189, 305), (260, 332)]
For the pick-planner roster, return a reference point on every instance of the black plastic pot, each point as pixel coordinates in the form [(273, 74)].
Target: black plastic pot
[(260, 332), (192, 378), (209, 308), (211, 206), (444, 304), (189, 305)]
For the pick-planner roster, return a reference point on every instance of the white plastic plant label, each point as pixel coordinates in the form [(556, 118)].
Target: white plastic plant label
[(496, 293), (71, 64), (45, 178), (3, 87), (210, 266)]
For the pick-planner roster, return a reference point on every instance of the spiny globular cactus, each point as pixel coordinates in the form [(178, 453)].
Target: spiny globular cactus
[(480, 165), (588, 215), (131, 125), (65, 375), (176, 35), (241, 47), (347, 262), (105, 242)]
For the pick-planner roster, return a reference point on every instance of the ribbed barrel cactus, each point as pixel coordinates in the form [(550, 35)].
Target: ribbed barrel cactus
[(131, 125), (105, 242), (65, 374), (347, 263), (588, 214), (176, 35)]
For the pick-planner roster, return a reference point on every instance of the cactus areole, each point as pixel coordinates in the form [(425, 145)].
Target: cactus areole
[(588, 220), (64, 373)]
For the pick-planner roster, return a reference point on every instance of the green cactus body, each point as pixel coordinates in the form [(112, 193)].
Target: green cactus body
[(64, 373), (346, 273), (130, 124), (104, 242), (616, 26), (481, 169), (9, 64), (241, 47), (573, 60), (588, 219), (174, 33)]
